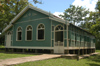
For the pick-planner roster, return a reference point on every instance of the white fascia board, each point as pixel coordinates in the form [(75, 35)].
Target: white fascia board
[(14, 19), (18, 16), (10, 25), (40, 10)]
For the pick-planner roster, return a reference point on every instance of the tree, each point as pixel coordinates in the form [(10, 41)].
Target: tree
[(98, 7), (93, 24), (8, 10), (89, 21), (75, 14)]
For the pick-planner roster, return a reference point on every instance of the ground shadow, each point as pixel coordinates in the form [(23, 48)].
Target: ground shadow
[(95, 58), (93, 64)]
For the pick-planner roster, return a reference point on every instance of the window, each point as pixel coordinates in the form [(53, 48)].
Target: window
[(59, 27), (29, 33), (41, 32), (19, 33)]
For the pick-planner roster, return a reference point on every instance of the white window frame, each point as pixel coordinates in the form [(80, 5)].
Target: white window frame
[(17, 34), (40, 29), (26, 33), (59, 29)]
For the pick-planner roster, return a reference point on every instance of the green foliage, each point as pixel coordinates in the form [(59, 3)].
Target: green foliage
[(89, 21), (75, 14), (8, 10), (2, 46), (2, 37), (98, 6)]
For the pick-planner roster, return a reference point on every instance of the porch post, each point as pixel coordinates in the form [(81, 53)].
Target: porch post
[(67, 23)]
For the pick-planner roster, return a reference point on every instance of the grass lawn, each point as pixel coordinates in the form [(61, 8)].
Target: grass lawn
[(13, 55), (1, 46), (91, 61), (4, 55)]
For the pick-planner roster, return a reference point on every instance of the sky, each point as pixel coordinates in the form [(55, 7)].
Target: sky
[(57, 7)]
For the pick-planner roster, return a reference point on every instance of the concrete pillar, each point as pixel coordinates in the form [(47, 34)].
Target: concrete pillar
[(94, 50), (91, 50), (12, 50), (86, 51), (73, 51), (67, 51), (36, 51), (52, 51), (82, 51), (23, 50), (6, 50)]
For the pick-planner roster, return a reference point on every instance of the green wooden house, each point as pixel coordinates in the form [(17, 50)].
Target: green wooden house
[(36, 29)]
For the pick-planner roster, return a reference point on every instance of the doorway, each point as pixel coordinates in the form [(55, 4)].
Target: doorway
[(59, 44), (8, 40)]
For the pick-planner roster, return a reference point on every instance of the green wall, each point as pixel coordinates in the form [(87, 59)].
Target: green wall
[(79, 37), (32, 18)]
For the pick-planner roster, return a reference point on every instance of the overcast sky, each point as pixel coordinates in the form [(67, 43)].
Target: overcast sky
[(58, 6)]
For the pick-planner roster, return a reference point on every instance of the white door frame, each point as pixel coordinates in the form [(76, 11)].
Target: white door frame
[(58, 48), (8, 39)]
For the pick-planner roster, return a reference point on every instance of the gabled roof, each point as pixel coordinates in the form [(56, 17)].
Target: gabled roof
[(51, 16)]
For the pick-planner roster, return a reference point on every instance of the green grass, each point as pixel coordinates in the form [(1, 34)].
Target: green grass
[(1, 46), (91, 61), (13, 55), (5, 55), (98, 51)]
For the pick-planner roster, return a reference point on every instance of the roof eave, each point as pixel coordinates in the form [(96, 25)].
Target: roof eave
[(57, 19), (18, 16), (7, 28)]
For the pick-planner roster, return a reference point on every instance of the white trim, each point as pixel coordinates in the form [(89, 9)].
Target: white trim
[(57, 19), (37, 32), (26, 33), (57, 26), (17, 33), (13, 35), (19, 15), (57, 47), (9, 38), (29, 47), (30, 20), (51, 33), (5, 29), (70, 48)]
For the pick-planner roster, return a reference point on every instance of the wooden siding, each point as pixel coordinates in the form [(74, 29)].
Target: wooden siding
[(29, 19), (80, 38)]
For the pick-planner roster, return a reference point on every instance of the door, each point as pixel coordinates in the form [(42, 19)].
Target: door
[(59, 48), (8, 40), (59, 44)]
